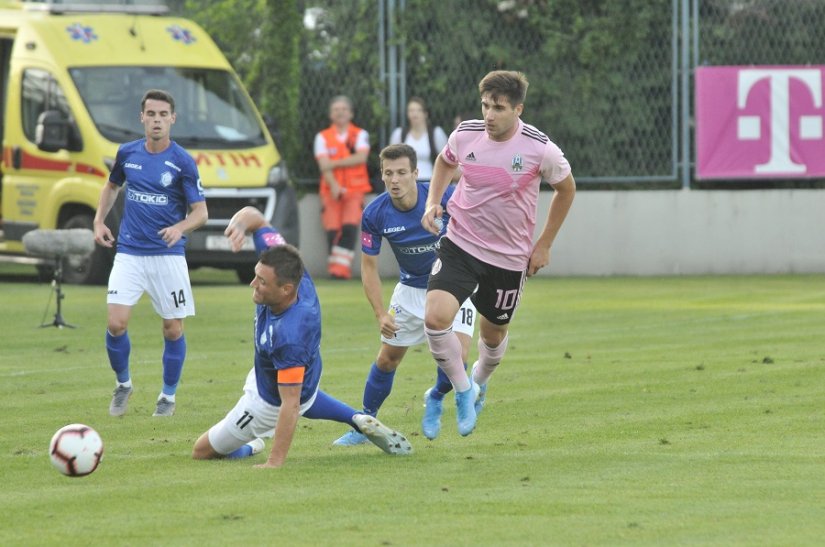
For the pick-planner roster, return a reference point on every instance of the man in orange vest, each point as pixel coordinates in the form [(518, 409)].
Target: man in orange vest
[(341, 151)]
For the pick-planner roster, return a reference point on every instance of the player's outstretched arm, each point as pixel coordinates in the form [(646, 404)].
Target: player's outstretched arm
[(560, 204), (371, 280), (285, 427), (245, 221), (108, 195)]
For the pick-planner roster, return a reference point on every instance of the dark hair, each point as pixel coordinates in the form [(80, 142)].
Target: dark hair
[(396, 151), (505, 83), (286, 261), (430, 130), (158, 95), (421, 103)]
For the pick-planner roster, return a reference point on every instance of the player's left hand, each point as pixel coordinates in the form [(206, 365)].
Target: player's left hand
[(170, 235), (235, 233), (538, 260), (388, 326)]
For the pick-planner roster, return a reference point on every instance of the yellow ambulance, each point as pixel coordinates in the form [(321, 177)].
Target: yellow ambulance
[(71, 79)]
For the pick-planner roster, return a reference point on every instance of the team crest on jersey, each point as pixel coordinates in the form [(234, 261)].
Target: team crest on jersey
[(166, 178), (518, 163)]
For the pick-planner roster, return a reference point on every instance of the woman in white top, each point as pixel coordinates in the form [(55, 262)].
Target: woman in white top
[(421, 135)]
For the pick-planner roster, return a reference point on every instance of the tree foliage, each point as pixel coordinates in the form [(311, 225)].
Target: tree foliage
[(601, 72), (261, 39)]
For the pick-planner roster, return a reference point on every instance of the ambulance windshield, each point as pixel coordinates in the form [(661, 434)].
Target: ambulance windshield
[(212, 110)]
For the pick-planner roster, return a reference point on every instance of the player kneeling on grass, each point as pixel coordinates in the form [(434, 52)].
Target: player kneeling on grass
[(283, 384)]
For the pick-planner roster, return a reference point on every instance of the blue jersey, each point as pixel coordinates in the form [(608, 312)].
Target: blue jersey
[(413, 246), (289, 339), (159, 189)]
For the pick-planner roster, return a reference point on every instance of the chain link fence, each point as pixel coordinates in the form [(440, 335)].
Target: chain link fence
[(759, 32), (608, 99), (611, 82)]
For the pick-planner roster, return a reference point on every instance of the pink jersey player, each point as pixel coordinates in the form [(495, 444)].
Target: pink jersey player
[(494, 206), (488, 249)]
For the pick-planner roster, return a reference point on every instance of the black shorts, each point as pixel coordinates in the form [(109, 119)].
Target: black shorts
[(459, 273)]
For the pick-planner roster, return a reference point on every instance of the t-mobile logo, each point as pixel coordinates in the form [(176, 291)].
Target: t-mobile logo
[(809, 128)]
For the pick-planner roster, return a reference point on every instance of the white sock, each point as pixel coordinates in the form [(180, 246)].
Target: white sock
[(446, 350), (488, 359), (170, 398), (127, 383)]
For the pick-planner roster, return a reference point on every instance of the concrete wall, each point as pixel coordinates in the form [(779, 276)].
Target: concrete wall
[(660, 233)]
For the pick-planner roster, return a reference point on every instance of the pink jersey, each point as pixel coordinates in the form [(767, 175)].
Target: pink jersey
[(493, 210)]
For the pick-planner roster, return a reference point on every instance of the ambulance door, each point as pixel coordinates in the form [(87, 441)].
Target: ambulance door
[(5, 62), (44, 117)]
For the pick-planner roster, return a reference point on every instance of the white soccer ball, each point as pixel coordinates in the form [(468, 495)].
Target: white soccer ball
[(76, 450)]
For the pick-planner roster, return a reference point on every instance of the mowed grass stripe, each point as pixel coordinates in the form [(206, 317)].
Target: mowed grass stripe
[(628, 411)]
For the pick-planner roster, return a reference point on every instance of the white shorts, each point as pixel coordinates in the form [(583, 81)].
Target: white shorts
[(164, 277), (251, 418), (407, 306)]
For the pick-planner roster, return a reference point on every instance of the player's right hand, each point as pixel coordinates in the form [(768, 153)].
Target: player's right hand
[(103, 235)]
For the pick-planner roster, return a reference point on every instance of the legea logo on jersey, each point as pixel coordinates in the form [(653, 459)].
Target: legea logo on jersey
[(147, 198), (133, 166), (759, 122), (166, 179)]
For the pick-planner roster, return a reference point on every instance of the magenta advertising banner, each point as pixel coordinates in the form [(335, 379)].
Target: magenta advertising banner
[(759, 122)]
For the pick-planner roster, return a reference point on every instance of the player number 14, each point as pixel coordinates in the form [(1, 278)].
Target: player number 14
[(179, 298)]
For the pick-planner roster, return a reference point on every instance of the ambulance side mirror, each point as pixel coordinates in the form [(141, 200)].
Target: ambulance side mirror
[(52, 133)]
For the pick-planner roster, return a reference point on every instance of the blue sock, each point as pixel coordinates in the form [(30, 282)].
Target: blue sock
[(243, 452), (174, 352), (377, 389), (118, 348), (442, 384), (328, 408)]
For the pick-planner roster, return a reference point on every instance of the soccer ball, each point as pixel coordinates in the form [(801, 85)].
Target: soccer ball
[(76, 450)]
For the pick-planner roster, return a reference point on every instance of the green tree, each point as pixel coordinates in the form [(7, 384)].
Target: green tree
[(260, 38), (340, 56)]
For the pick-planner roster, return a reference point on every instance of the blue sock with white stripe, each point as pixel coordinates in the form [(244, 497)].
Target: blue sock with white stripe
[(118, 348), (326, 407), (243, 452), (174, 352), (377, 389)]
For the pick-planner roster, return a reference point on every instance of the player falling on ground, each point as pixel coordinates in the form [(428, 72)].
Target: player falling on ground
[(284, 382), (396, 216), (489, 245)]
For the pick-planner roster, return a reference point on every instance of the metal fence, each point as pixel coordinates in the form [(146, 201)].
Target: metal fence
[(621, 110)]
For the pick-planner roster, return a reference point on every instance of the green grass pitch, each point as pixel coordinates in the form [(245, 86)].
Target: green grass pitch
[(628, 411)]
